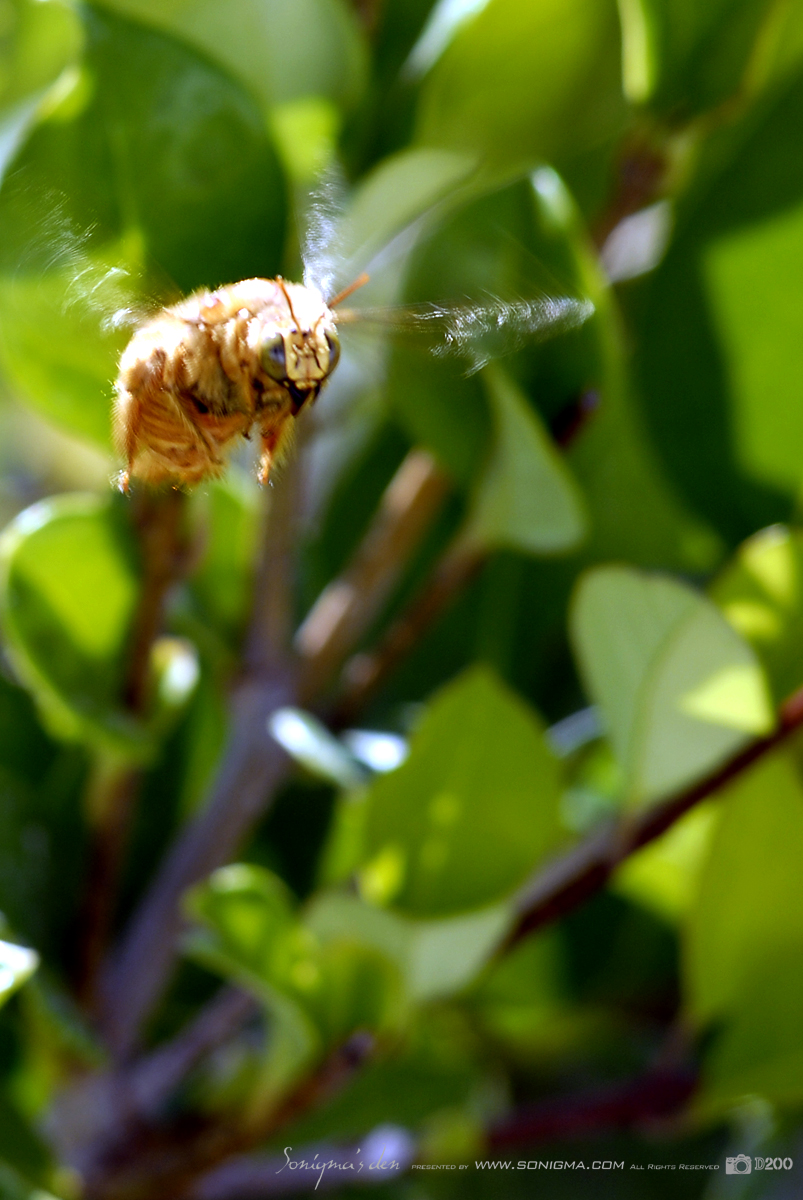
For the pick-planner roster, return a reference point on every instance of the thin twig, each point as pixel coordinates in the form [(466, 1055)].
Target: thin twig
[(365, 673), (566, 883), (348, 606)]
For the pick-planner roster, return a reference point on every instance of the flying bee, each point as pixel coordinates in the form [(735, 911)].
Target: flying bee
[(205, 371)]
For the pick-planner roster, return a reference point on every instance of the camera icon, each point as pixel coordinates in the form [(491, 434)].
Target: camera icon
[(742, 1164)]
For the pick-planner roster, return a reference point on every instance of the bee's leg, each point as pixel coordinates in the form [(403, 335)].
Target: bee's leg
[(271, 439)]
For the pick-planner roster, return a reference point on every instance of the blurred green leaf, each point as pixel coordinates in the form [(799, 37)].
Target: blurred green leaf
[(761, 594), (401, 190), (280, 49), (526, 499), (470, 813), (253, 935), (435, 958), (227, 516), (749, 907), (69, 590), (760, 1051), (38, 39), (522, 84), (665, 875), (683, 58), (152, 164), (678, 688), (751, 276)]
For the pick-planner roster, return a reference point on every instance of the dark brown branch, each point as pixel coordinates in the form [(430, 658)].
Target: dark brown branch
[(636, 1102), (348, 606), (166, 1159), (365, 673), (252, 768), (157, 519), (253, 765), (568, 882)]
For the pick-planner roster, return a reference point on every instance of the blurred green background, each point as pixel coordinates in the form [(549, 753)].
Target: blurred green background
[(623, 500)]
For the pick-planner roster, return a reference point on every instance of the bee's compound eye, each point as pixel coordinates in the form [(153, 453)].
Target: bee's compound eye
[(272, 357), (333, 342)]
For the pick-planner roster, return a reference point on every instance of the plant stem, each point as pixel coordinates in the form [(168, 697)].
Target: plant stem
[(113, 786), (566, 883)]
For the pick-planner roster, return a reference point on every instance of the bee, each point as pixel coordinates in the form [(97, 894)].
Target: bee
[(204, 372)]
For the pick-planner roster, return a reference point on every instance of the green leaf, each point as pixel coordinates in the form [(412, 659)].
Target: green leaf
[(227, 516), (760, 1052), (17, 965), (749, 906), (69, 589), (37, 41), (751, 276), (471, 811), (664, 876), (679, 689), (761, 594), (280, 49), (522, 84), (526, 499), (253, 935), (152, 164), (435, 958), (683, 57), (398, 192)]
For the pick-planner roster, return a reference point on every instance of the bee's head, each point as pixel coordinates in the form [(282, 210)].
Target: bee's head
[(300, 351)]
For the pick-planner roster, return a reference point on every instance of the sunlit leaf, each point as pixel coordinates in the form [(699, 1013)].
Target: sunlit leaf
[(470, 812), (678, 688), (435, 957), (481, 94), (70, 586), (252, 935), (761, 594), (749, 908), (281, 49)]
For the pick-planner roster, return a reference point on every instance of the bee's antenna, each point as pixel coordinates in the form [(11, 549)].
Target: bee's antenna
[(286, 295), (358, 283)]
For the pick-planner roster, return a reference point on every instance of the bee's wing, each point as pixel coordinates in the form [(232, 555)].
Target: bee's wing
[(477, 332)]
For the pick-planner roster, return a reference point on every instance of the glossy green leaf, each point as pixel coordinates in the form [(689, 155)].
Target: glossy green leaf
[(679, 690), (151, 164), (761, 594), (749, 908), (281, 49), (17, 965), (526, 499), (515, 83), (470, 813), (69, 590)]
